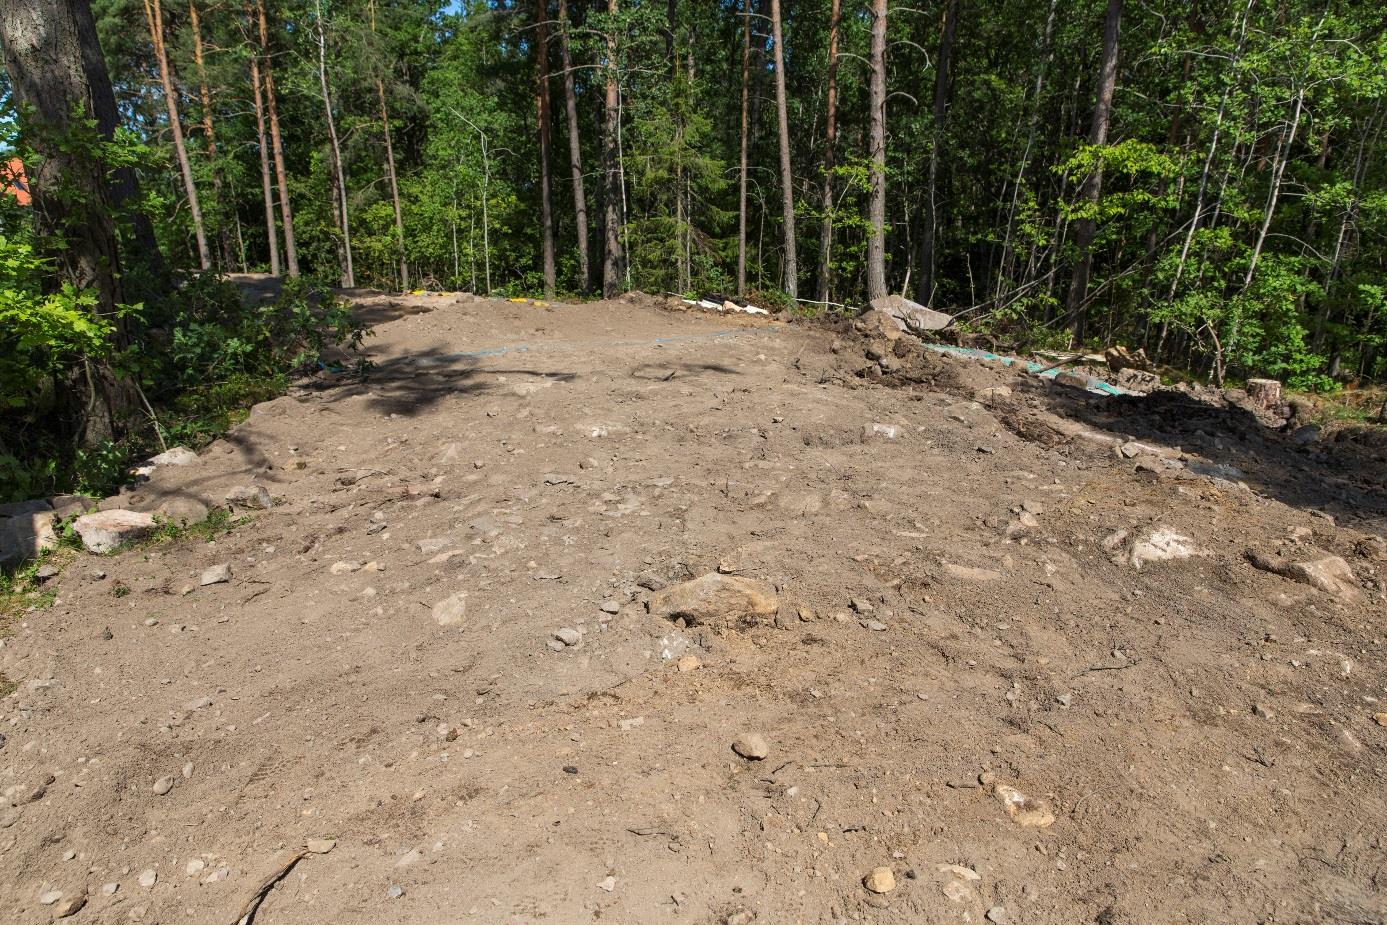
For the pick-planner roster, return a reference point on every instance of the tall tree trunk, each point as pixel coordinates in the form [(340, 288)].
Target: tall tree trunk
[(1086, 228), (830, 150), (339, 179), (205, 96), (575, 153), (787, 180), (286, 212), (266, 182), (58, 80), (546, 202), (613, 261), (154, 16), (746, 126), (876, 207), (390, 174), (1033, 123), (1283, 156), (925, 284)]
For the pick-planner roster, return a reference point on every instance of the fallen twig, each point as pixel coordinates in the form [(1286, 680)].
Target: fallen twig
[(252, 904)]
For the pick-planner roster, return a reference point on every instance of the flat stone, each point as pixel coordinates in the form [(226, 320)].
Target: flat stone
[(717, 600), (610, 607), (321, 845), (148, 877), (1162, 545), (451, 611), (751, 746), (163, 785), (689, 663), (568, 636), (107, 531), (49, 897), (215, 575), (256, 497), (70, 906), (1330, 574), (969, 573), (880, 880)]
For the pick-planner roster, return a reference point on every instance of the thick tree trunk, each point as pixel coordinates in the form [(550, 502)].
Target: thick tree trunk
[(613, 261), (830, 151), (787, 181), (546, 202), (876, 206), (154, 16), (742, 175), (291, 251), (575, 153), (204, 93), (926, 283), (339, 179), (58, 79), (1086, 228), (266, 181)]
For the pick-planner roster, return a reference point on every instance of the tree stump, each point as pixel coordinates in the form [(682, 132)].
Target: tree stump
[(1264, 393)]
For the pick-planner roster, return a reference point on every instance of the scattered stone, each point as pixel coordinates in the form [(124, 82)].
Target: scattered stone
[(875, 626), (216, 575), (588, 463), (610, 607), (255, 497), (344, 568), (555, 645), (878, 324), (861, 605), (997, 915), (1264, 711), (451, 611), (607, 884), (49, 897), (148, 877), (1380, 719), (107, 531), (70, 906), (1163, 545), (1023, 810), (25, 536), (751, 746), (107, 635), (568, 636), (1130, 450), (163, 785), (200, 703), (195, 867), (321, 845), (884, 431), (992, 393), (717, 600), (110, 889), (969, 573), (740, 917), (8, 816), (46, 571), (880, 880), (394, 891), (688, 663)]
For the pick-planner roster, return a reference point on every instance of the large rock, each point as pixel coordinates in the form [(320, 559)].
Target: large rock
[(106, 531), (879, 324), (1330, 574), (24, 536), (718, 601), (182, 511), (176, 456), (912, 315)]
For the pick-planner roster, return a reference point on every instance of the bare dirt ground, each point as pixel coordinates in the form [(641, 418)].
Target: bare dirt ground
[(1202, 731)]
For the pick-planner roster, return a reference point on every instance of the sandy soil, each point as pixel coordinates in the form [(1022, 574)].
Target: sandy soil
[(1202, 731)]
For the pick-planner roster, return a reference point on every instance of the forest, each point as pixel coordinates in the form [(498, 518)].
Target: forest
[(1205, 181)]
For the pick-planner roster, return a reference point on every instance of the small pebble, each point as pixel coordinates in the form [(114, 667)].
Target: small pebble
[(148, 877), (163, 785), (394, 891), (880, 880), (568, 636), (751, 746)]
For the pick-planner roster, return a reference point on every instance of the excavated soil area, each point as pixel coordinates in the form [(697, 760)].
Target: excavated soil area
[(1015, 651)]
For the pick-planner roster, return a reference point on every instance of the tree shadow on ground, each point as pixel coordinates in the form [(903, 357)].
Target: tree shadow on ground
[(415, 383), (1344, 476)]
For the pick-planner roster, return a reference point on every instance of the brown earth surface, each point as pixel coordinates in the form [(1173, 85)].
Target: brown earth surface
[(963, 650)]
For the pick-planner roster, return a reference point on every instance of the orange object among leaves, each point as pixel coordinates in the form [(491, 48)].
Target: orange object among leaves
[(14, 182)]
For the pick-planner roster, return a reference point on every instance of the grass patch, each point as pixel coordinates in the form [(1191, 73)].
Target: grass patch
[(219, 522)]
